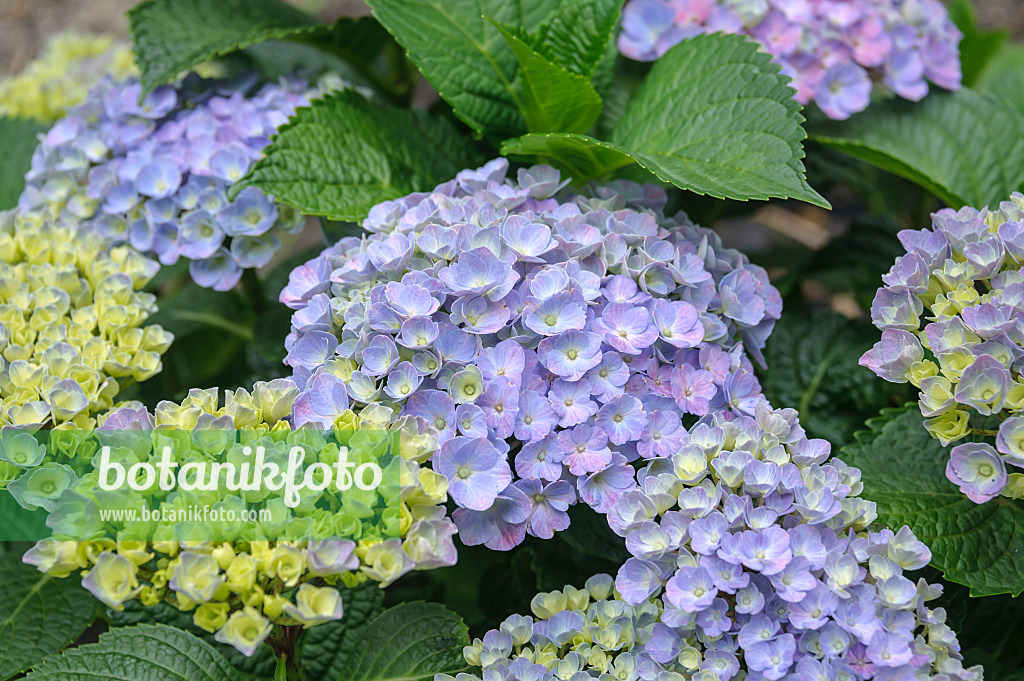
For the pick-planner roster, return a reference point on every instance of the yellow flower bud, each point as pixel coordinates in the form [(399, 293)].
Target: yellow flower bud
[(245, 630), (949, 427), (113, 580)]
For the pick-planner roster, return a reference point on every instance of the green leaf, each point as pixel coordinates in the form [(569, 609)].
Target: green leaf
[(260, 665), (18, 140), (713, 116), (409, 642), (463, 56), (1009, 88), (326, 648), (582, 157), (964, 147), (39, 614), (576, 36), (171, 36), (978, 545), (343, 155), (19, 524), (149, 652), (812, 366), (553, 99)]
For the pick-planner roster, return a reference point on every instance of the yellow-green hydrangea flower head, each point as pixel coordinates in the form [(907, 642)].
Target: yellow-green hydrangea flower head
[(72, 322), (239, 590), (60, 77)]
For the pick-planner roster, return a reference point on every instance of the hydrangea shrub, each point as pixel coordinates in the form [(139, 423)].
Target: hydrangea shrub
[(556, 334), (155, 174), (59, 78), (522, 341), (751, 558), (833, 50), (949, 313)]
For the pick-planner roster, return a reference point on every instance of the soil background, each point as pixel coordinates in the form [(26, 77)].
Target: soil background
[(25, 24)]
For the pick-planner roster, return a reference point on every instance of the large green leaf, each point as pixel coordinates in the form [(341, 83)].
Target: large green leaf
[(582, 157), (713, 116), (1009, 87), (812, 366), (327, 648), (966, 148), (409, 642), (260, 665), (147, 652), (553, 99), (978, 545), (39, 614), (577, 34), (342, 155), (463, 56), (171, 36), (18, 140)]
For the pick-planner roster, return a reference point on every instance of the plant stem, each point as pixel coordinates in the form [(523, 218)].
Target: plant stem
[(982, 431), (284, 642)]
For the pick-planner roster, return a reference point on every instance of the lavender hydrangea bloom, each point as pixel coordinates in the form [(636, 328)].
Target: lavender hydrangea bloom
[(977, 470), (743, 584), (565, 334), (156, 175), (959, 293), (831, 50)]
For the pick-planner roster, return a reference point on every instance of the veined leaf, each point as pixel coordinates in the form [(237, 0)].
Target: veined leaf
[(582, 157), (150, 652), (342, 155), (327, 648), (964, 147), (812, 366), (463, 56), (39, 614), (578, 33), (978, 545), (553, 99), (171, 36), (713, 116), (409, 642)]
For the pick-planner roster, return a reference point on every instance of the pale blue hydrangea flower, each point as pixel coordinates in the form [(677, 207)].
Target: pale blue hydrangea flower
[(564, 335)]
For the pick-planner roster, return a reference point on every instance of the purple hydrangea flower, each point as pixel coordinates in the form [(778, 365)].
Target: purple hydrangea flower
[(563, 331), (156, 175), (959, 293), (476, 471)]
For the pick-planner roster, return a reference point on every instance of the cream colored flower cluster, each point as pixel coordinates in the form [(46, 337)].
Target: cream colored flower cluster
[(240, 589), (60, 77), (72, 322)]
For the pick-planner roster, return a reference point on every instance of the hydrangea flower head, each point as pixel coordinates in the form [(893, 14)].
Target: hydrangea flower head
[(72, 322), (951, 313), (530, 330), (61, 76), (751, 559), (833, 51), (155, 175), (240, 589)]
